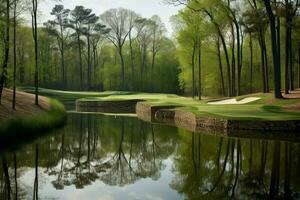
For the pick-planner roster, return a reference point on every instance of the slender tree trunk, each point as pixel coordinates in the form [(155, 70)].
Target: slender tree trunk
[(35, 37), (266, 68), (131, 58), (63, 56), (233, 61), (240, 42), (15, 57), (89, 62), (80, 59), (199, 71), (291, 62), (6, 51), (220, 67), (287, 56), (120, 50), (278, 40), (229, 93), (251, 63), (263, 65), (193, 69)]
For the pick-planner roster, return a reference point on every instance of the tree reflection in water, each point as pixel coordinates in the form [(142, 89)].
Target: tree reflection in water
[(236, 168), (121, 151)]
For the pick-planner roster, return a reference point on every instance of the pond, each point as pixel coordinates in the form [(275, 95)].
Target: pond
[(108, 157)]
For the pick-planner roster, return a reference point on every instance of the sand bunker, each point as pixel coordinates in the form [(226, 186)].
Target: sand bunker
[(234, 101)]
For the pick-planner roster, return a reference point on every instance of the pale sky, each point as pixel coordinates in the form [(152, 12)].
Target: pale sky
[(146, 8)]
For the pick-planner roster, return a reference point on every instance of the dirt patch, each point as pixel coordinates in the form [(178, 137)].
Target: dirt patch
[(292, 108), (25, 105)]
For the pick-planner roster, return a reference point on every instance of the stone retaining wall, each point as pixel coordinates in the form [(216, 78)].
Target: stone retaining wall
[(181, 118), (122, 106)]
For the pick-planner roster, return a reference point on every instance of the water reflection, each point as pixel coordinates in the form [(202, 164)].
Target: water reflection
[(125, 158), (234, 168)]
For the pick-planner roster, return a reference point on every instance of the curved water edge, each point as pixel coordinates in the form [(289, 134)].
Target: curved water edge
[(174, 115), (27, 128)]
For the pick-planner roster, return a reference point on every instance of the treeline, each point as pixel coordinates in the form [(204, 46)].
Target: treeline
[(237, 47), (81, 50), (222, 48)]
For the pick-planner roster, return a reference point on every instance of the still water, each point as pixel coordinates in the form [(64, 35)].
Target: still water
[(98, 157)]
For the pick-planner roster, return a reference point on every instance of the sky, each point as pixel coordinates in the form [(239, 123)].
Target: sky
[(146, 8)]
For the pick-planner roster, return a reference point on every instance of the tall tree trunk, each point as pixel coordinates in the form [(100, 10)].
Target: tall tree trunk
[(287, 56), (80, 59), (63, 56), (251, 63), (266, 68), (120, 50), (131, 59), (6, 51), (233, 61), (240, 41), (220, 67), (199, 71), (277, 74), (217, 26), (35, 38), (15, 57), (263, 65), (89, 61), (291, 62), (193, 69), (278, 40)]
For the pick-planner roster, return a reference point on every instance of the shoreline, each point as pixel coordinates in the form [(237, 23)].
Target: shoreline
[(176, 115), (30, 122)]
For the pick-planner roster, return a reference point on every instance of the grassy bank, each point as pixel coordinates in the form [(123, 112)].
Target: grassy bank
[(26, 128), (266, 108)]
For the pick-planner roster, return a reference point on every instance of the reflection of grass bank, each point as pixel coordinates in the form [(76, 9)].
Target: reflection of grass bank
[(30, 122)]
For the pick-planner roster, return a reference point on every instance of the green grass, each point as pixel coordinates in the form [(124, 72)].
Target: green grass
[(12, 131), (267, 108), (68, 98)]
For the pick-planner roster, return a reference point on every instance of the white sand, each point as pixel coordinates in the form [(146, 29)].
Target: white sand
[(234, 101)]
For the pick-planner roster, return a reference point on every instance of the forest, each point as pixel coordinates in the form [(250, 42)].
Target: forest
[(160, 99), (218, 48)]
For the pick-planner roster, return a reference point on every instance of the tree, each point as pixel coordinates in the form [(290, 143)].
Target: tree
[(57, 28), (35, 38), (118, 20), (15, 56), (274, 39), (6, 50), (157, 29), (79, 18)]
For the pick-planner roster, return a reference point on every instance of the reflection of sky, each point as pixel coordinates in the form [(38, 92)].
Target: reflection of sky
[(144, 189), (146, 8)]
